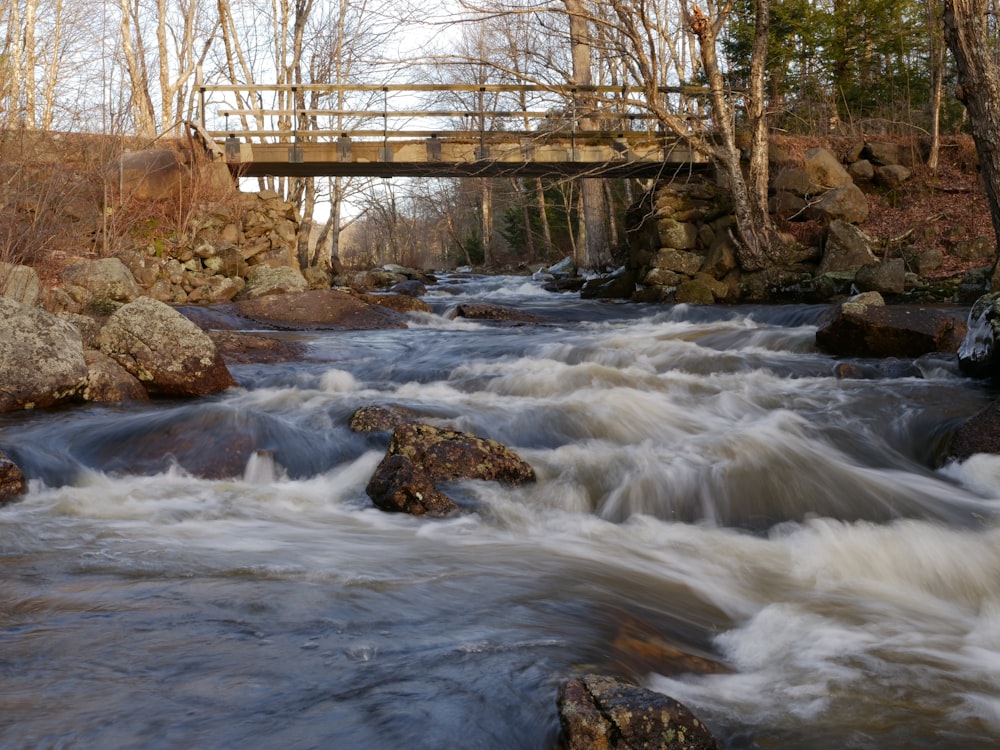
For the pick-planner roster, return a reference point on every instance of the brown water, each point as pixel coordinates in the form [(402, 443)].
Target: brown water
[(704, 482)]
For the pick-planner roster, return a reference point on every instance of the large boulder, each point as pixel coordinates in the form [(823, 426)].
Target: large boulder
[(597, 712), (20, 283), (319, 309), (885, 277), (263, 280), (847, 248), (155, 174), (106, 279), (168, 353), (12, 481), (41, 358), (977, 355), (825, 171), (846, 203), (872, 330)]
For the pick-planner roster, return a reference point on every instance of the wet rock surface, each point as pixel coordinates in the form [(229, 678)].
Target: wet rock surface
[(890, 331), (980, 434), (977, 354), (420, 455), (597, 712), (400, 486), (380, 418), (484, 311), (12, 481), (448, 454)]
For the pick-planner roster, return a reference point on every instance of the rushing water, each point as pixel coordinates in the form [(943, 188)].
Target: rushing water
[(704, 481)]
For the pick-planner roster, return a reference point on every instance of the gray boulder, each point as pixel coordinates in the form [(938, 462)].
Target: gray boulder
[(168, 353), (847, 203), (883, 153), (106, 278), (892, 175), (861, 171), (109, 382), (825, 171), (264, 280), (847, 248), (885, 277), (41, 358), (152, 175), (20, 283)]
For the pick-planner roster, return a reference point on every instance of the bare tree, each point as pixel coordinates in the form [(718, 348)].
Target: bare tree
[(971, 32)]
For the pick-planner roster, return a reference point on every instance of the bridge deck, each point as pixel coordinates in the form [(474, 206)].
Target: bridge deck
[(585, 137), (444, 157)]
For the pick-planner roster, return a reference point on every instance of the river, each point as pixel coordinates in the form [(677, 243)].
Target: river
[(704, 481)]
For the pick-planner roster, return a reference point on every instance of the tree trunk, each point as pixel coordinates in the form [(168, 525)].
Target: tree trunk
[(749, 200), (543, 217), (138, 79), (937, 62), (593, 228), (968, 33)]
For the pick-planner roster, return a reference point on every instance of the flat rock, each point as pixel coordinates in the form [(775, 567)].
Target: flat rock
[(890, 331), (242, 348), (319, 309), (485, 311)]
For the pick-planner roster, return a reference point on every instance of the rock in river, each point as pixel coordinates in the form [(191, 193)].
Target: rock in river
[(12, 481), (420, 455), (168, 353), (598, 712)]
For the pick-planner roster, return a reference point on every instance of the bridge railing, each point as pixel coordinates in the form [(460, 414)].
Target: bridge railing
[(394, 111)]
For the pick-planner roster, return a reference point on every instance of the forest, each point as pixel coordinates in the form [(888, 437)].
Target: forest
[(128, 70)]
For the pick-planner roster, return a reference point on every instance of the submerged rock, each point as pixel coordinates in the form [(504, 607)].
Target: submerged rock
[(485, 311), (12, 481), (604, 712), (980, 434)]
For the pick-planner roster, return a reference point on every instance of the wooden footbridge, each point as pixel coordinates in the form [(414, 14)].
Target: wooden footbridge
[(592, 131)]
